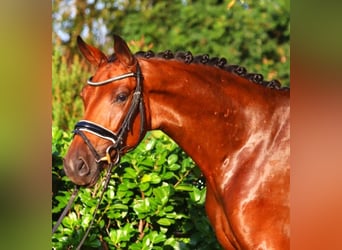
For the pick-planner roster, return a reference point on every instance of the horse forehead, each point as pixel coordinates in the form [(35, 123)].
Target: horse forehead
[(107, 71)]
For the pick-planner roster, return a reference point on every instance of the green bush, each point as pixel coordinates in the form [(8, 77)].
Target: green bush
[(154, 201)]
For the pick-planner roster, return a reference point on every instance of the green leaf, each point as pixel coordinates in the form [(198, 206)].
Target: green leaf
[(86, 220), (146, 178), (110, 194), (173, 158), (152, 177), (155, 179), (121, 234), (198, 196), (172, 242), (184, 187), (168, 175), (130, 173), (162, 194), (165, 221), (119, 207), (144, 186), (150, 144), (174, 167), (142, 207)]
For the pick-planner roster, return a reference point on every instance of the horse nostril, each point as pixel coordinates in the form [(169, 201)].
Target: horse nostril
[(83, 168)]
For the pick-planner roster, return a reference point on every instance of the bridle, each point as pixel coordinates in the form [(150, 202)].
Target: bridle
[(117, 139)]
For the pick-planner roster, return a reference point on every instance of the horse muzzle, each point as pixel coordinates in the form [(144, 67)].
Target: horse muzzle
[(82, 169)]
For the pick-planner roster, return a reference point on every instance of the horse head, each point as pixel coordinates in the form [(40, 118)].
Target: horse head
[(113, 121)]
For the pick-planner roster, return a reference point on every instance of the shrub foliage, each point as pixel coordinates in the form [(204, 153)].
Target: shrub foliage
[(154, 201)]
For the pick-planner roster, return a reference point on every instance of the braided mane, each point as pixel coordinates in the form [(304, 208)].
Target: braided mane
[(221, 63)]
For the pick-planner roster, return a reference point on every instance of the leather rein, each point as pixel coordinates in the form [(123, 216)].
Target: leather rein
[(117, 139)]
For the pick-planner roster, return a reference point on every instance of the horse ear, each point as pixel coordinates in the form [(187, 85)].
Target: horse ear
[(92, 54), (122, 51)]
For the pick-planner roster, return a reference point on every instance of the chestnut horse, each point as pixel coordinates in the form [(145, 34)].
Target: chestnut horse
[(233, 124)]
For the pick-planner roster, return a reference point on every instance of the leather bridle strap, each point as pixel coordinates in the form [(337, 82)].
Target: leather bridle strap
[(98, 131), (68, 206), (113, 79), (117, 140), (111, 168), (137, 105), (90, 146)]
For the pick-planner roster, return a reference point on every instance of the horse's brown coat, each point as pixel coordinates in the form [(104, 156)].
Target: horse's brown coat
[(237, 132)]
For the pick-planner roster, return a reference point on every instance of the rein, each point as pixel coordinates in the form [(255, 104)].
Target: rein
[(117, 140)]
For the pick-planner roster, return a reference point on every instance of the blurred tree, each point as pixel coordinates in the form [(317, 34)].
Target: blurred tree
[(253, 34)]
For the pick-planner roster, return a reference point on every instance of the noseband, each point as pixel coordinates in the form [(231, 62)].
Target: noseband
[(117, 139)]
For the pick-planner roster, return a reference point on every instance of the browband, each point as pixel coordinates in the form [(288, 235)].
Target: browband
[(116, 78)]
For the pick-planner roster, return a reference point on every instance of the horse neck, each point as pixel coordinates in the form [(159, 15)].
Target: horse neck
[(206, 109)]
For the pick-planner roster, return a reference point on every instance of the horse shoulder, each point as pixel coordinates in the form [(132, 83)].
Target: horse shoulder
[(255, 197)]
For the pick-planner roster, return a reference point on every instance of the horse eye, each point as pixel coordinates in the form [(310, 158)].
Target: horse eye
[(122, 97)]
